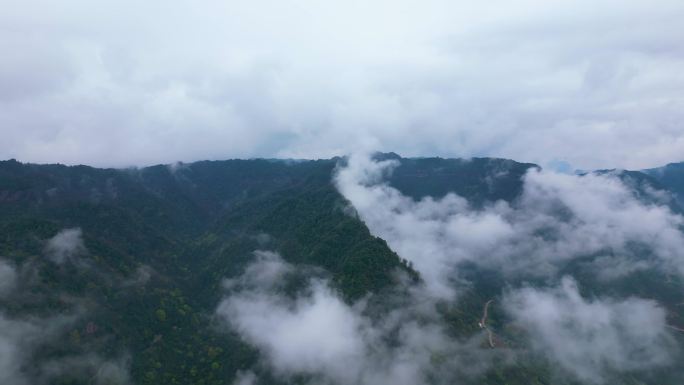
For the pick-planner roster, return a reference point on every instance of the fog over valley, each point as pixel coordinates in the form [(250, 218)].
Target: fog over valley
[(341, 193)]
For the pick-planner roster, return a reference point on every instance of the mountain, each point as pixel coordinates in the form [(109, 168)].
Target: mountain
[(672, 177), (122, 269), (477, 179), (191, 226)]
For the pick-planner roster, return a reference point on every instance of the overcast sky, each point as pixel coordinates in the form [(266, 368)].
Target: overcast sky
[(119, 83)]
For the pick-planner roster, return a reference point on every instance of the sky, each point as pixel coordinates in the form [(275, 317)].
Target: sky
[(565, 84)]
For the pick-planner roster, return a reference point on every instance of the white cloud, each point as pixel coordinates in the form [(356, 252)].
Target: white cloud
[(592, 338), (245, 378), (593, 85), (65, 245), (8, 278), (557, 219), (100, 370), (317, 335)]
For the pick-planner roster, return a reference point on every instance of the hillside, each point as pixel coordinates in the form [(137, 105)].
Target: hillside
[(122, 270), (672, 177)]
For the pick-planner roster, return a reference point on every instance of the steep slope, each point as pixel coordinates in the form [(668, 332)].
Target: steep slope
[(479, 180), (137, 285), (159, 241), (672, 177)]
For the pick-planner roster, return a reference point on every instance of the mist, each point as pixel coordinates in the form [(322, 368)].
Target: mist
[(589, 338), (65, 246), (558, 220), (312, 334), (29, 326), (316, 336)]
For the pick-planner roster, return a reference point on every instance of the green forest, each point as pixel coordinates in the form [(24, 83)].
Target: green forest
[(158, 243)]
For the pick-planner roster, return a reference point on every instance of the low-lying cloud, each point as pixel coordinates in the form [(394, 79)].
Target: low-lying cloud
[(557, 219), (21, 339), (309, 334), (99, 370), (65, 246), (592, 338), (25, 330), (8, 278), (316, 335)]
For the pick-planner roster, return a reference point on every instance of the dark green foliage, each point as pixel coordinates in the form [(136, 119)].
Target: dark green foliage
[(191, 226), (479, 180)]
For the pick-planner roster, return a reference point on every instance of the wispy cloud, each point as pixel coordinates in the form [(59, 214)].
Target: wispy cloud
[(26, 330)]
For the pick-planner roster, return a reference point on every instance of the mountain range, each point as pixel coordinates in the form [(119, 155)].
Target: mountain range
[(376, 270)]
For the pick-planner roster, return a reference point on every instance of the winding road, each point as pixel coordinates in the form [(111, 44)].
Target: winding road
[(483, 323), (675, 328)]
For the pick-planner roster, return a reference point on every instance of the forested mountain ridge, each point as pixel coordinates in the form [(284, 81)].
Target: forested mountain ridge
[(132, 262), (672, 177), (188, 228)]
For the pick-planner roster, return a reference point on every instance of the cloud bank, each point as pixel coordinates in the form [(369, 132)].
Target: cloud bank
[(8, 278), (316, 336), (557, 219), (117, 83)]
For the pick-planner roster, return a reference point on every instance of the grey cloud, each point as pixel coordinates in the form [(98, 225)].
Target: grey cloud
[(65, 245), (113, 372), (11, 350), (23, 336), (141, 276), (532, 81), (592, 338), (18, 340), (24, 332), (558, 219), (245, 378), (101, 370), (8, 278)]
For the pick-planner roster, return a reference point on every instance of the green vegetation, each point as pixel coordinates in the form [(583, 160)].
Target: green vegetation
[(161, 241), (192, 227)]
